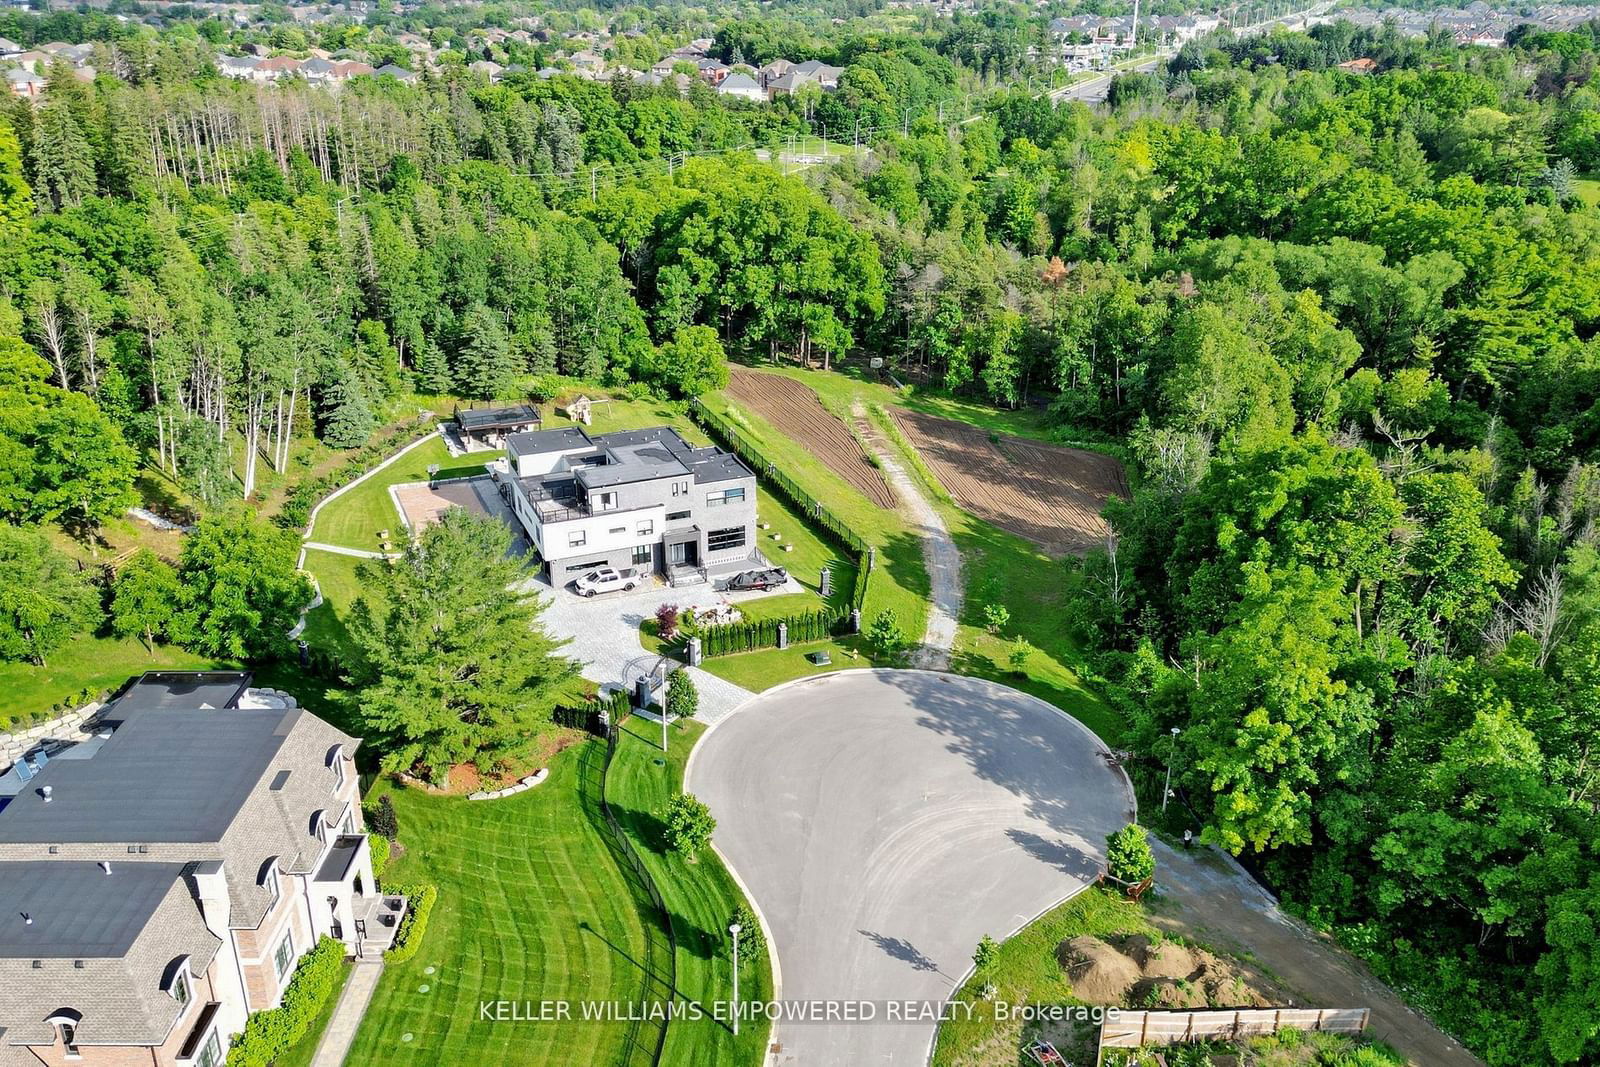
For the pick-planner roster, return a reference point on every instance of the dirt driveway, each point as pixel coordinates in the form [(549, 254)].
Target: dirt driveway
[(1206, 897)]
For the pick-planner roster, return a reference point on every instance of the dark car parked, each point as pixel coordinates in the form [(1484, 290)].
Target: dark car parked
[(770, 578)]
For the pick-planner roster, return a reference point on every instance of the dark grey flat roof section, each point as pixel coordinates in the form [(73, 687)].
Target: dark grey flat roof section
[(723, 468), (531, 442), (497, 418), (168, 776), (78, 910), (184, 689), (337, 862)]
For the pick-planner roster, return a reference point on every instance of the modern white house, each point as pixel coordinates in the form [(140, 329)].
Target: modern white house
[(636, 498)]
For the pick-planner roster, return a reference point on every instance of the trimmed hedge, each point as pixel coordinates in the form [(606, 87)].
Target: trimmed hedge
[(735, 637), (419, 905), (587, 716), (790, 490), (269, 1034)]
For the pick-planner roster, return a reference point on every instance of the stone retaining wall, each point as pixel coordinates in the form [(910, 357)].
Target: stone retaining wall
[(70, 726)]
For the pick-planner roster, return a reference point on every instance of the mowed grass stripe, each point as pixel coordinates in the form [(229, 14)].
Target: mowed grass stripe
[(700, 897), (526, 885)]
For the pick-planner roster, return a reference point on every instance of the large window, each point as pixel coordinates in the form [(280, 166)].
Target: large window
[(647, 528), (603, 501), (210, 1052), (720, 540), (725, 496), (283, 956), (643, 554), (577, 538)]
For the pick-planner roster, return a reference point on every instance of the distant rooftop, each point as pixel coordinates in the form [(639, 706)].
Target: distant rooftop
[(497, 418), (533, 442)]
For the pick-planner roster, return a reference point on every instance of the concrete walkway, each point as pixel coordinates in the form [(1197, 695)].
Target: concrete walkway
[(340, 550), (1204, 894), (341, 1031), (939, 552)]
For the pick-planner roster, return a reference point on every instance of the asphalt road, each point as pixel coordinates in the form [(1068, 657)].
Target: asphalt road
[(884, 821)]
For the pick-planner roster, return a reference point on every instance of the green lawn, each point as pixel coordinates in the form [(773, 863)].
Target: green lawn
[(535, 903), (300, 1054), (355, 519), (1025, 971), (1001, 568), (336, 577), (92, 663), (700, 896), (1588, 190)]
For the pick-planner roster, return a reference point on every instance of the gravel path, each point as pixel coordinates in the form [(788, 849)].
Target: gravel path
[(939, 552), (1207, 896)]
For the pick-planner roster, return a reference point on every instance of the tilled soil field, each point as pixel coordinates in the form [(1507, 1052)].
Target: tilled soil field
[(795, 410), (1049, 494)]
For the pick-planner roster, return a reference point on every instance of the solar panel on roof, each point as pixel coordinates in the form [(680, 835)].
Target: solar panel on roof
[(25, 770)]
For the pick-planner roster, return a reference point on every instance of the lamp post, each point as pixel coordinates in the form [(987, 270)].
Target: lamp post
[(1166, 793), (733, 928)]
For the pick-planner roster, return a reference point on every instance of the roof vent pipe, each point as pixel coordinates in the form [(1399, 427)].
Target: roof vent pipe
[(106, 866), (46, 791)]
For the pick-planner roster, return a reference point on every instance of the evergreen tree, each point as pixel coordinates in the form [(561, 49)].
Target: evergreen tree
[(485, 365), (347, 421), (62, 163), (453, 664)]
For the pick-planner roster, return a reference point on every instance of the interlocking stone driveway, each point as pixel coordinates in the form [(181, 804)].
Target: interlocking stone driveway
[(604, 635)]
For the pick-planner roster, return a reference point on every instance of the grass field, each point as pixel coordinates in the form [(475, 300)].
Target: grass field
[(535, 903), (700, 896), (355, 519), (93, 663)]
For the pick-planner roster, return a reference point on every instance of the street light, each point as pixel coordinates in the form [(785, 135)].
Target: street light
[(733, 929), (1166, 793)]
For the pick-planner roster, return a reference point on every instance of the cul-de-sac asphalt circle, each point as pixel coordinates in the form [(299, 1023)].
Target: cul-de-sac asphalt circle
[(883, 821)]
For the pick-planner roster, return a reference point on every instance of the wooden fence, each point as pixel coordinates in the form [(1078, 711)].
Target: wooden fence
[(1136, 1029)]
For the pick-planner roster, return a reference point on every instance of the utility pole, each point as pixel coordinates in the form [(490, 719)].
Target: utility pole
[(1133, 42), (1166, 792), (734, 930)]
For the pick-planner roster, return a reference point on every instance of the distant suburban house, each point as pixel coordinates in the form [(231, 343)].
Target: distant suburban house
[(712, 70), (24, 82), (638, 498), (800, 75), (1359, 66), (488, 68), (161, 877), (742, 87), (400, 74)]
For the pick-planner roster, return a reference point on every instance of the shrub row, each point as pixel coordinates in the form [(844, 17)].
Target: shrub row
[(269, 1034), (419, 905), (588, 716), (303, 497), (734, 637), (809, 506), (21, 720)]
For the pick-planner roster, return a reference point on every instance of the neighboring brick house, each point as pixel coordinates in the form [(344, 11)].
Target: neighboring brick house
[(637, 498), (159, 881)]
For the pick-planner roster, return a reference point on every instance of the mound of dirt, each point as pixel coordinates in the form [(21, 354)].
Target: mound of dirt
[(1098, 972), (1139, 971)]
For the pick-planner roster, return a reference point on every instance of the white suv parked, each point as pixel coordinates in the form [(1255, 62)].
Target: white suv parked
[(607, 580)]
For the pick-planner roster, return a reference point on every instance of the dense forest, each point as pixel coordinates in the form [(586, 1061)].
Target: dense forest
[(1342, 326)]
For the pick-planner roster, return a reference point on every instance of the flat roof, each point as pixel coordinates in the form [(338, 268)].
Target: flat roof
[(722, 468), (561, 439), (183, 689), (78, 910), (164, 775), (491, 418)]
